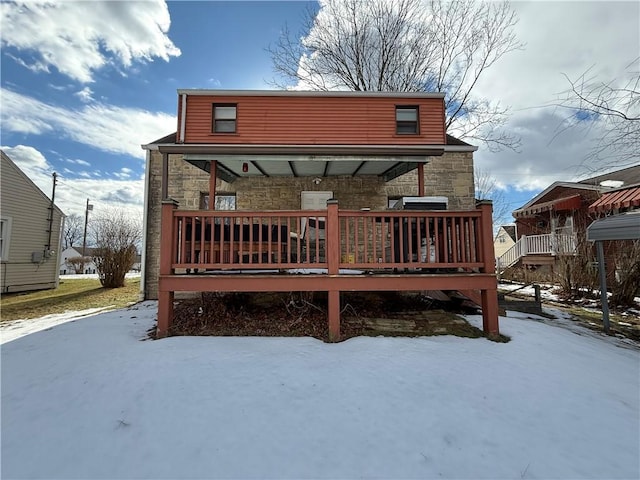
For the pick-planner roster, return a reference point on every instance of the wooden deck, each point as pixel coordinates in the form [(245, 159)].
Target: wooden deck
[(236, 251)]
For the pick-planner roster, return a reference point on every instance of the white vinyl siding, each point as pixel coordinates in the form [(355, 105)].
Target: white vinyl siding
[(28, 208), (5, 238)]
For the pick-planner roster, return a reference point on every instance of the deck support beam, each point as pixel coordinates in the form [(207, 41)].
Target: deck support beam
[(333, 315), (165, 313), (490, 312), (489, 295)]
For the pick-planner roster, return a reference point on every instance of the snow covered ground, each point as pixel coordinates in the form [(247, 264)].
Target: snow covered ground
[(90, 399)]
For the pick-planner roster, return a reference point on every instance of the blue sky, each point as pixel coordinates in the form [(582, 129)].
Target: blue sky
[(84, 84)]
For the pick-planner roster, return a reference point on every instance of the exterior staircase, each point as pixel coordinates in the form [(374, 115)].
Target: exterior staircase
[(548, 244)]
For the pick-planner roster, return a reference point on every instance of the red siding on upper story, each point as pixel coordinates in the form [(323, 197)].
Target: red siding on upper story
[(309, 120)]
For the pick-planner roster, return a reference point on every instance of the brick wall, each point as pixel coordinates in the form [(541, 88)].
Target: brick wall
[(450, 175)]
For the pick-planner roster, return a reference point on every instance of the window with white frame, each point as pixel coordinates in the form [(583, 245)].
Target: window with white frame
[(224, 117), (407, 120), (5, 236)]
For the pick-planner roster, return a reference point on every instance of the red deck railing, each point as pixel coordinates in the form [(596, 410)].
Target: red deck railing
[(450, 250), (237, 240)]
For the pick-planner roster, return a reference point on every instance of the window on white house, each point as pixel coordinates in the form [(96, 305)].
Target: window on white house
[(5, 236), (224, 117), (406, 120)]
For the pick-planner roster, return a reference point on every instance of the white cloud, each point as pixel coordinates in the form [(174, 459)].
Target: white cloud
[(104, 127), (77, 161), (29, 159), (562, 38), (72, 193), (124, 173), (79, 38), (85, 95), (543, 159)]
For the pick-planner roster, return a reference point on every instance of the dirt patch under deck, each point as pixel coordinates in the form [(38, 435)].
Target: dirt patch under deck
[(304, 314)]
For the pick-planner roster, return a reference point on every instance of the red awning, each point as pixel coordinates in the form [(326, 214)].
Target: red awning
[(566, 203), (625, 198)]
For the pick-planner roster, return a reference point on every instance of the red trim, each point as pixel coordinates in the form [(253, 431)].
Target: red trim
[(573, 202)]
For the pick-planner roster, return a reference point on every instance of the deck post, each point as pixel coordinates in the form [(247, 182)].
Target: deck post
[(332, 245), (333, 237), (165, 313), (213, 173), (490, 312), (333, 313), (421, 179), (167, 249), (489, 296)]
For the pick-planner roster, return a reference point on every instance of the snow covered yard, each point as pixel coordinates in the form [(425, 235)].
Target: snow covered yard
[(89, 399)]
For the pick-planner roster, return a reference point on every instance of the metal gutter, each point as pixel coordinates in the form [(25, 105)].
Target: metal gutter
[(308, 93), (249, 149)]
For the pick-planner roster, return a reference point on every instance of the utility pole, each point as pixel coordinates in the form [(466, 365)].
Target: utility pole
[(47, 251), (84, 239)]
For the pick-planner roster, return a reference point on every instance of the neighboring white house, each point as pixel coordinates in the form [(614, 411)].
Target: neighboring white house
[(74, 252), (505, 239), (30, 233)]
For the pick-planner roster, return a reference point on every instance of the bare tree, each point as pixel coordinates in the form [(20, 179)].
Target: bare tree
[(406, 46), (627, 277), (116, 238), (487, 188), (611, 110), (73, 225), (78, 263)]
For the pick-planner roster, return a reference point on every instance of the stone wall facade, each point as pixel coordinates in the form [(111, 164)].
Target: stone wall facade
[(450, 175)]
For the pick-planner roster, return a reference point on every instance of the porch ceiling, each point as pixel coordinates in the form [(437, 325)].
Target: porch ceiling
[(231, 167)]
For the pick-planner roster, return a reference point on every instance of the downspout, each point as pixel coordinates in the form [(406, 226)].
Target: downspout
[(183, 118), (145, 229)]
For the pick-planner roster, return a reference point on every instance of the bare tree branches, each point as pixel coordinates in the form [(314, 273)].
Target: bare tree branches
[(117, 236), (73, 230), (487, 188), (406, 46), (611, 110)]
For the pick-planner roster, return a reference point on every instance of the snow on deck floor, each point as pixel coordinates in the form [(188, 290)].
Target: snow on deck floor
[(89, 399)]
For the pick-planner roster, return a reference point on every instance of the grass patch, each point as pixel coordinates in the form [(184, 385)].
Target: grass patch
[(71, 295), (626, 325)]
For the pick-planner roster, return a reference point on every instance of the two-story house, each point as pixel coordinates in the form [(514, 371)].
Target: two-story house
[(298, 186)]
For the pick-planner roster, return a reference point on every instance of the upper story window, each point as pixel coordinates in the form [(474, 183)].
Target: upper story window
[(224, 117), (407, 120)]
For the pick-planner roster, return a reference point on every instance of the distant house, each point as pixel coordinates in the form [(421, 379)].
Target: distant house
[(553, 222), (505, 239), (30, 233), (66, 268)]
